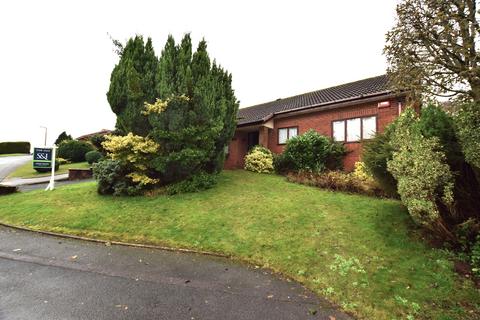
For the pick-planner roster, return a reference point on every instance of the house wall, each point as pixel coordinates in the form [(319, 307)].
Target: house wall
[(236, 151), (321, 121)]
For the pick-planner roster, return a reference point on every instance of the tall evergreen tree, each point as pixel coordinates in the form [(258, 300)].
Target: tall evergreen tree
[(63, 137), (166, 71), (193, 131), (195, 118), (132, 83)]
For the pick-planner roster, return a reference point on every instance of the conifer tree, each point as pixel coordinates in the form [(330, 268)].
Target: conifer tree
[(132, 83)]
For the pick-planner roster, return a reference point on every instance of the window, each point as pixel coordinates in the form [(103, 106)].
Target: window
[(369, 127), (286, 133), (356, 129), (353, 130), (339, 130)]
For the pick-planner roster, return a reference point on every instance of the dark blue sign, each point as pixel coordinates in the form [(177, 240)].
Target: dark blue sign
[(42, 158)]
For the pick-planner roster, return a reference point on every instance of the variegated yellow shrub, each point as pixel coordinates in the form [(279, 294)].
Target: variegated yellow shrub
[(136, 153), (258, 160)]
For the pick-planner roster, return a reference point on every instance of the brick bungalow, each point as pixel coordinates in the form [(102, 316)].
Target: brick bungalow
[(350, 113)]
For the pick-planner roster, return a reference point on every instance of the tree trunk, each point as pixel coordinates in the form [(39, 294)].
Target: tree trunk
[(475, 91)]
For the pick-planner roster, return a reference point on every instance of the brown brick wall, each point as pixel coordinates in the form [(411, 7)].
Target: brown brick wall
[(236, 151), (320, 121)]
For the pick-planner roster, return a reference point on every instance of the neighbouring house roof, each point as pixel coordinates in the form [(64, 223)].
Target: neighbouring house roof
[(344, 92), (89, 135)]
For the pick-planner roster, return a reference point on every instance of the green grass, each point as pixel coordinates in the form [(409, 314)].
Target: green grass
[(27, 171), (13, 154), (361, 253)]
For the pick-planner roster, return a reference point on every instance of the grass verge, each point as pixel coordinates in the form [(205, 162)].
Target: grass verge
[(360, 252), (27, 171), (13, 154)]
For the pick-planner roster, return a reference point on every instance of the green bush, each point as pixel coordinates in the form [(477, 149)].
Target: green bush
[(43, 170), (93, 156), (97, 141), (282, 164), (313, 152), (425, 181), (475, 257), (467, 123), (14, 147), (61, 160), (74, 150), (112, 179), (260, 160), (198, 182), (375, 154)]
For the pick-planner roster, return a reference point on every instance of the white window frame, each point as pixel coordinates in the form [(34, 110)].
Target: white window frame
[(288, 129), (361, 138), (342, 129)]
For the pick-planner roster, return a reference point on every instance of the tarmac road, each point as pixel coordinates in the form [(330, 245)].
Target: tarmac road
[(45, 277), (9, 164)]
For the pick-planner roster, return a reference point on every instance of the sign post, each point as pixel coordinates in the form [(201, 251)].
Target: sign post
[(51, 184), (44, 158)]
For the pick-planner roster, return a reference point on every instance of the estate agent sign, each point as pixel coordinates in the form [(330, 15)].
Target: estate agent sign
[(45, 158), (42, 158)]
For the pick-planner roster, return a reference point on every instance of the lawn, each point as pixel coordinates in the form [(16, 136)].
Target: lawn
[(359, 252), (27, 171), (13, 154)]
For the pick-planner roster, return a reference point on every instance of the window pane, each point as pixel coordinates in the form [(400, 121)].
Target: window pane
[(369, 127), (292, 132), (353, 129), (282, 135), (339, 130)]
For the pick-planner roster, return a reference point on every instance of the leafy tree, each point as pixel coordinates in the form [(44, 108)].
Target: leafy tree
[(63, 137), (132, 83), (433, 50)]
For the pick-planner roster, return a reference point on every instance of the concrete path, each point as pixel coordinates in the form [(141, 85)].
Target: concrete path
[(44, 277), (42, 186), (9, 164), (28, 181)]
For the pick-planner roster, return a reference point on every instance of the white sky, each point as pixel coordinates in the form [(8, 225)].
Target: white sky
[(56, 57)]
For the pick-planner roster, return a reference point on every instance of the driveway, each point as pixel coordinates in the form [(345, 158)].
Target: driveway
[(44, 277), (9, 164)]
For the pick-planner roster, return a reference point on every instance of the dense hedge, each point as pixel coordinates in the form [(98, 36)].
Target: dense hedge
[(15, 147), (74, 150)]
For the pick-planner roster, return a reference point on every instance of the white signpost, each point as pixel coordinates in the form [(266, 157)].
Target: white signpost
[(51, 184)]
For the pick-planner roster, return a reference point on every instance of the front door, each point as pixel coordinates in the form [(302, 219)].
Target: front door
[(252, 140)]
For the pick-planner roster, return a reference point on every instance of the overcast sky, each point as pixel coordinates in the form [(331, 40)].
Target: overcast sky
[(56, 56)]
